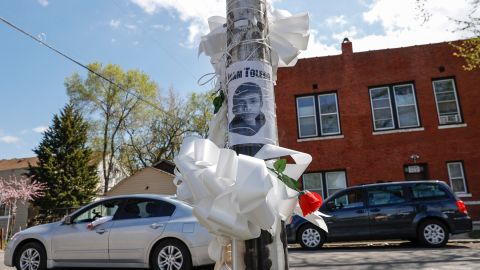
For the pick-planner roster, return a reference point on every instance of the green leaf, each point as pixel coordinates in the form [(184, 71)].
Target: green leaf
[(289, 182), (280, 165), (218, 101)]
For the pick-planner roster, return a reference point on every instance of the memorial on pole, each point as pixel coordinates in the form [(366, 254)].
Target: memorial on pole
[(240, 188)]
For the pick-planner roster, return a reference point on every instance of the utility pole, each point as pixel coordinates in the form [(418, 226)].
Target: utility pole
[(251, 114)]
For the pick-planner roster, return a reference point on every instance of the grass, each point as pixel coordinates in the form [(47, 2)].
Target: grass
[(475, 234), (4, 244)]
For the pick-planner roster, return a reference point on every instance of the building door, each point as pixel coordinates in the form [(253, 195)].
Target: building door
[(414, 172)]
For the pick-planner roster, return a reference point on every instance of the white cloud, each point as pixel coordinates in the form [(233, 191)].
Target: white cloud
[(135, 43), (403, 26), (162, 27), (9, 139), (195, 12), (43, 2), (400, 24), (114, 23), (350, 33), (40, 129), (130, 26), (336, 21), (317, 48)]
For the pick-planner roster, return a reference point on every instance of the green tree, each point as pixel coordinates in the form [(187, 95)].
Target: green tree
[(468, 49), (109, 107), (64, 163), (161, 130)]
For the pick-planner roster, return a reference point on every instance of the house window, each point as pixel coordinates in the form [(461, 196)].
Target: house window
[(394, 107), (3, 210), (325, 183), (447, 102), (457, 177), (318, 115), (306, 117)]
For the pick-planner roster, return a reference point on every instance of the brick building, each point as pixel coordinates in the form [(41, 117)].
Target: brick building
[(385, 115)]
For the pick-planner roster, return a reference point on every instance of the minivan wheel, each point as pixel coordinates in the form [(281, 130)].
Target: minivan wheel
[(171, 254), (433, 233), (31, 257), (311, 237)]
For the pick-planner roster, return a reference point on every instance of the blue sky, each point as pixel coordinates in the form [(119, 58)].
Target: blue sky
[(160, 37)]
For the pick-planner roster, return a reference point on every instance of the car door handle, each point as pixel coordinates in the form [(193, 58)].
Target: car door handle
[(156, 225), (101, 231)]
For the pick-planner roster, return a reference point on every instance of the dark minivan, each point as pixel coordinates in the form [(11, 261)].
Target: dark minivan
[(419, 211)]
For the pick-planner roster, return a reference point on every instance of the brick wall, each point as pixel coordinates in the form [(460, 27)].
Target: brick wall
[(366, 157)]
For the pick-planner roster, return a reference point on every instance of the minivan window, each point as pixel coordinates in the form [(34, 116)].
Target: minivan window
[(428, 191), (385, 195), (350, 199)]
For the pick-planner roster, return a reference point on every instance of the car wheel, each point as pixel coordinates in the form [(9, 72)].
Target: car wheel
[(311, 237), (171, 254), (433, 233), (31, 257)]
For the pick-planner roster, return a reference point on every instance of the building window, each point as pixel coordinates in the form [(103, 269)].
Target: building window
[(325, 183), (447, 102), (457, 177), (394, 107), (306, 117), (318, 115), (3, 210)]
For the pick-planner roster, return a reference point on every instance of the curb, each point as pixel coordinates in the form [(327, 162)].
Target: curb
[(468, 240), (383, 243)]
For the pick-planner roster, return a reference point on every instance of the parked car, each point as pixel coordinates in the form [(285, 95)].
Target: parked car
[(138, 231), (420, 211)]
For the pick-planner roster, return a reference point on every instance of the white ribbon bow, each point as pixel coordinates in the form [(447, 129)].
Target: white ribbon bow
[(235, 196)]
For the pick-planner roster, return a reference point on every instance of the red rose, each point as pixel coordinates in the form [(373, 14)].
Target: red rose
[(310, 202)]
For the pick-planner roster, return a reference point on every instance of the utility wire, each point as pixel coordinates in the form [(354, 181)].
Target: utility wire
[(78, 63)]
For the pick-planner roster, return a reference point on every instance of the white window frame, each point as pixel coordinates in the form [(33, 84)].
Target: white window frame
[(335, 113), (395, 117), (373, 110), (321, 181), (326, 180), (398, 106), (324, 183), (314, 115), (456, 101), (463, 176)]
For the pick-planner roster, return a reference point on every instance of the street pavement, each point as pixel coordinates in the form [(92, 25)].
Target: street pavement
[(458, 255), (382, 255)]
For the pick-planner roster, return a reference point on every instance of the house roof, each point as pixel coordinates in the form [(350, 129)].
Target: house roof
[(134, 176), (17, 163), (166, 166)]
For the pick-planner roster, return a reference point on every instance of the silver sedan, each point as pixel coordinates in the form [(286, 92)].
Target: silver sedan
[(134, 231)]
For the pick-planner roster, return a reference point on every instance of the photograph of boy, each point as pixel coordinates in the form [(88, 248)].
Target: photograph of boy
[(247, 106)]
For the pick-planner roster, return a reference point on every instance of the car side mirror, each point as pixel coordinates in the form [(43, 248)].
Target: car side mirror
[(67, 220), (331, 206)]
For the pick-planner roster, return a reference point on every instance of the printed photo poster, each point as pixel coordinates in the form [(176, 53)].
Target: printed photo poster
[(251, 103)]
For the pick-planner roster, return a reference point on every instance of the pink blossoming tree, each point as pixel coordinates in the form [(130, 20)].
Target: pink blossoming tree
[(14, 191)]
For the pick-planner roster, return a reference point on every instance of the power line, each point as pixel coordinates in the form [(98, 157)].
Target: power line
[(78, 63)]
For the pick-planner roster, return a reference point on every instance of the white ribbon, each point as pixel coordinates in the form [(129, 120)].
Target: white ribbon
[(236, 196)]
